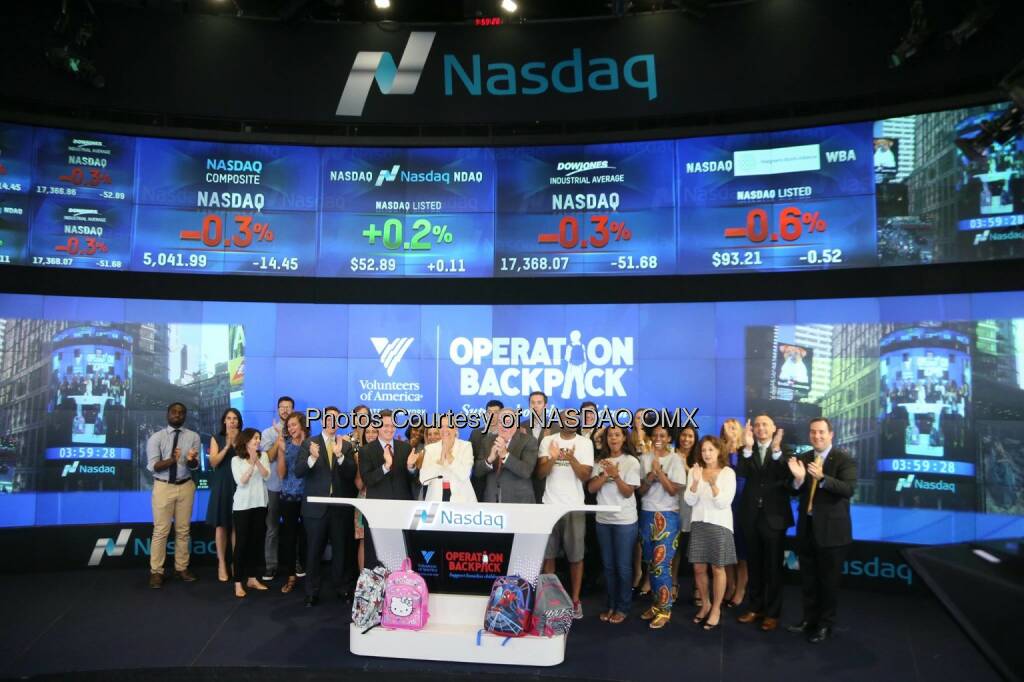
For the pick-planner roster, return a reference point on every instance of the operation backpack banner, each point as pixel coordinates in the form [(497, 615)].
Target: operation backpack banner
[(937, 386)]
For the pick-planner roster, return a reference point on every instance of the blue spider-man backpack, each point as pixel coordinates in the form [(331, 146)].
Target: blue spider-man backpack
[(510, 608)]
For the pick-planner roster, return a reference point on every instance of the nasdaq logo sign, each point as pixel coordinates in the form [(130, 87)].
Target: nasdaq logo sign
[(476, 76), (386, 175), (110, 547), (400, 79), (905, 482)]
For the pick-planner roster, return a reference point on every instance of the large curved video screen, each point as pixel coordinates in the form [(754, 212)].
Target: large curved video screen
[(926, 392), (917, 189)]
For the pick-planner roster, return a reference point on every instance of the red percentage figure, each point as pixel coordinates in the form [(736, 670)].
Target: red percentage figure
[(791, 225), (212, 233), (74, 247), (75, 176), (97, 178), (568, 235)]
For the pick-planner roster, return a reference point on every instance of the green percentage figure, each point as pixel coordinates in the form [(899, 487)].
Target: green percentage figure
[(392, 235)]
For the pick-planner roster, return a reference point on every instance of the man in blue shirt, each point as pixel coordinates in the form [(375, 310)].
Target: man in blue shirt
[(285, 406), (172, 453)]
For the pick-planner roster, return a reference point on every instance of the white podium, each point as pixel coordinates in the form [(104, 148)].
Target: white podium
[(456, 619)]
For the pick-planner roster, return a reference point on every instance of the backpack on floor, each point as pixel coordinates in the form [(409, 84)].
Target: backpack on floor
[(368, 600), (406, 600), (510, 607), (552, 609)]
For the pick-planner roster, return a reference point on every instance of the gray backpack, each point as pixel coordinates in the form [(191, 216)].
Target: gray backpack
[(552, 607)]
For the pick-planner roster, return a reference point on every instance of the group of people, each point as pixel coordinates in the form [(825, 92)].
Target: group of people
[(726, 499)]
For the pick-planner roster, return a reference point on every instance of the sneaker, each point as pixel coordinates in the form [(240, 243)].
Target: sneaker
[(577, 610), (268, 576), (300, 572)]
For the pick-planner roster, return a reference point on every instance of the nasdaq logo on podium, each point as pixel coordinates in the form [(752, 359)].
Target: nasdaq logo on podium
[(434, 517)]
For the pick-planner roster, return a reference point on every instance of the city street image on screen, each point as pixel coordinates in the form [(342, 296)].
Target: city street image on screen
[(991, 180), (925, 387), (82, 398), (90, 380)]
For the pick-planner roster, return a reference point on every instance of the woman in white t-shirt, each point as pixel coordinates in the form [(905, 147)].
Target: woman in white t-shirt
[(615, 480), (710, 487), (664, 477), (250, 468)]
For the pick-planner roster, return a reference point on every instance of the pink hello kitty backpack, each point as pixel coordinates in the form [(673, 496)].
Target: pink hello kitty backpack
[(406, 600)]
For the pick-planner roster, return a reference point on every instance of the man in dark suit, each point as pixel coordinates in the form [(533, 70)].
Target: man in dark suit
[(763, 516), (327, 463), (476, 439), (825, 479), (384, 466), (508, 460)]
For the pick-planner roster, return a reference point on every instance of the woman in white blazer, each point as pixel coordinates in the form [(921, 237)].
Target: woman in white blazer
[(447, 467)]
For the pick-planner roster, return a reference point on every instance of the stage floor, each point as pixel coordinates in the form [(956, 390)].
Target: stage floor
[(88, 621)]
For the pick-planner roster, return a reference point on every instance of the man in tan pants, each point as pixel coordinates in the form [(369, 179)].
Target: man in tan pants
[(173, 492)]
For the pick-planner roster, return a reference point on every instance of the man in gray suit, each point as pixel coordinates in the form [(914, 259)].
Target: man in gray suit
[(506, 462)]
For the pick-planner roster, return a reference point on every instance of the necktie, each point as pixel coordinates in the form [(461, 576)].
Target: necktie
[(761, 454), (172, 473), (814, 487), (328, 442)]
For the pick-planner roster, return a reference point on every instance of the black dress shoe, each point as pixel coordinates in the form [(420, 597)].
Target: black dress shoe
[(800, 628), (819, 635), (311, 602)]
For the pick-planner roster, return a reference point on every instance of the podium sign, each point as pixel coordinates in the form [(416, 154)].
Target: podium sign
[(455, 619)]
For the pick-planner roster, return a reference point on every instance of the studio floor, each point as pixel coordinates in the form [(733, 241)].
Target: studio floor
[(108, 625)]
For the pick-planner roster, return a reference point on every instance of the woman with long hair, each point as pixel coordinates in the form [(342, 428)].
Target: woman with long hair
[(251, 469), (664, 475), (735, 576), (710, 487), (615, 480), (687, 454), (222, 487), (293, 536)]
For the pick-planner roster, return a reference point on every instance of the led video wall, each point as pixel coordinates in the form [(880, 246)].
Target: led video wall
[(916, 189), (926, 392)]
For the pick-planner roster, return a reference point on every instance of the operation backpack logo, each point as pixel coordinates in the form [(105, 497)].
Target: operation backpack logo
[(567, 366)]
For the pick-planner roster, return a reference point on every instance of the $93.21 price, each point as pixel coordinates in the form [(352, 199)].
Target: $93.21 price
[(739, 259)]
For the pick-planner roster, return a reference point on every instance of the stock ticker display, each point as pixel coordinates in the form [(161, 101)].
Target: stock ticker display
[(852, 195)]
